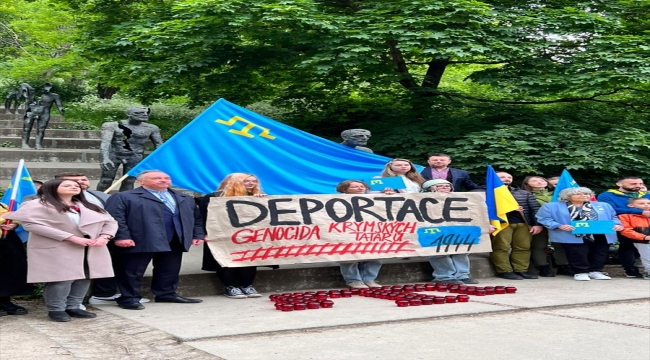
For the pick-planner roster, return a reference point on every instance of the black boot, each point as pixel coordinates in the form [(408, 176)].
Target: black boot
[(565, 270), (525, 275), (10, 308), (59, 316), (545, 271)]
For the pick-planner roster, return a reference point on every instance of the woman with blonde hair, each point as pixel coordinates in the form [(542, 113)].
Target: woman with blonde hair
[(237, 280), (405, 169)]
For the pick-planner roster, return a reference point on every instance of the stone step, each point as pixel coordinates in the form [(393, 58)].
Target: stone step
[(52, 143), (5, 116), (18, 124), (52, 155), (54, 133), (44, 170)]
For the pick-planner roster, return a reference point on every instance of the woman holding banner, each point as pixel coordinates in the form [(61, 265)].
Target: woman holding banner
[(237, 280), (66, 247), (586, 253), (360, 274), (407, 171)]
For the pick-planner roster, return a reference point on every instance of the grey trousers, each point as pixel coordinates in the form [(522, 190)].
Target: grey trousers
[(65, 295)]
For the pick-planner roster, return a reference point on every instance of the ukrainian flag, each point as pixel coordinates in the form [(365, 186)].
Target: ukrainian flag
[(21, 185), (499, 201)]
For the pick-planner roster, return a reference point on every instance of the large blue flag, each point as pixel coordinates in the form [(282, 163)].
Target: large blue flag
[(499, 201), (25, 187), (564, 182), (227, 138)]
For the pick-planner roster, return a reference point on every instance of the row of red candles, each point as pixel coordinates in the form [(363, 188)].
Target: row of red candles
[(404, 296)]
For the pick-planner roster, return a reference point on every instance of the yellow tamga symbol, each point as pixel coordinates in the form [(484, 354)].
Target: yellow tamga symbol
[(376, 182), (265, 133), (431, 230), (582, 225)]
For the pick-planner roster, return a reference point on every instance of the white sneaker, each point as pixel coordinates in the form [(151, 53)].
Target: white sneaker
[(82, 307), (597, 275), (101, 300), (581, 277), (372, 284), (357, 285), (144, 301)]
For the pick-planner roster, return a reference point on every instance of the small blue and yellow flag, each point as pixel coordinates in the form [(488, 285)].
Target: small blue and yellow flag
[(226, 138), (499, 201), (23, 187)]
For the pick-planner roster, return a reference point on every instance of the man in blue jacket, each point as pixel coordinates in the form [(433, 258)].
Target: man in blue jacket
[(628, 187), (438, 169), (155, 223)]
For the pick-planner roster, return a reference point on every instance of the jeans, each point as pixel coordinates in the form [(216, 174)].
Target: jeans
[(450, 267), (65, 295), (626, 252), (360, 271)]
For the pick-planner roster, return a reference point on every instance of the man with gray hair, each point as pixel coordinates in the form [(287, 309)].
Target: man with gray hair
[(356, 138), (155, 224), (123, 142)]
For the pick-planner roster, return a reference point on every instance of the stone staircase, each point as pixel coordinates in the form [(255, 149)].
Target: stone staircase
[(65, 150)]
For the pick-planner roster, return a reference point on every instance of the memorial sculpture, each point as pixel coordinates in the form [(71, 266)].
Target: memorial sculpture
[(123, 142), (39, 112), (24, 91), (357, 139)]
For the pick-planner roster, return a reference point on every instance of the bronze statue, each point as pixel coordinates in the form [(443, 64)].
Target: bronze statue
[(123, 142), (24, 91), (39, 112), (356, 138)]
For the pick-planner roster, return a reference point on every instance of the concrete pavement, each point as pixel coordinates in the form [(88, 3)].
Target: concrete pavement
[(547, 318)]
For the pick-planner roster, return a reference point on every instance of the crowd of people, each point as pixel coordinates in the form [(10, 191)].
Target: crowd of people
[(77, 235)]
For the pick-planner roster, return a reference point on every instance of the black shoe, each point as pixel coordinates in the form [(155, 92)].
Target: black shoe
[(78, 313), (12, 309), (3, 313), (178, 299), (565, 270), (526, 275), (131, 306), (545, 271), (59, 316), (630, 273), (510, 276)]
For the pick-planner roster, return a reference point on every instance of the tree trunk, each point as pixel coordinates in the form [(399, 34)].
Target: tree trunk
[(106, 92)]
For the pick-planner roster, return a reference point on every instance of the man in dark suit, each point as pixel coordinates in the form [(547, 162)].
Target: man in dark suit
[(438, 169), (157, 224)]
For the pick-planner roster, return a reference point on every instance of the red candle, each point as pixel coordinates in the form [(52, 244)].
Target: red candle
[(480, 292), (439, 300), (309, 293), (321, 297), (463, 291), (511, 289), (402, 303), (335, 295), (272, 297), (346, 294), (278, 306), (287, 307), (429, 287), (415, 302), (298, 294), (287, 294), (319, 292), (462, 287), (396, 287), (462, 298), (313, 305), (426, 301), (454, 290), (450, 299), (471, 288), (499, 291), (354, 291), (419, 287), (489, 291), (299, 306), (326, 304), (471, 292), (489, 288)]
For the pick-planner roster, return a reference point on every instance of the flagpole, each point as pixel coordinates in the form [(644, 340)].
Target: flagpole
[(115, 184), (14, 193)]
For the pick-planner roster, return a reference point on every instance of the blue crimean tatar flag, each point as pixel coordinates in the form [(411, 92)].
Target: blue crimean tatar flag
[(564, 182), (499, 201), (226, 138), (25, 188)]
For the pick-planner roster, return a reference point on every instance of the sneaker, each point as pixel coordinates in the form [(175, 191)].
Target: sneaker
[(250, 292), (646, 276), (234, 293), (372, 284), (452, 282), (469, 280), (633, 273), (581, 277), (144, 301), (526, 275), (100, 300), (597, 275), (510, 276), (357, 285), (82, 307)]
